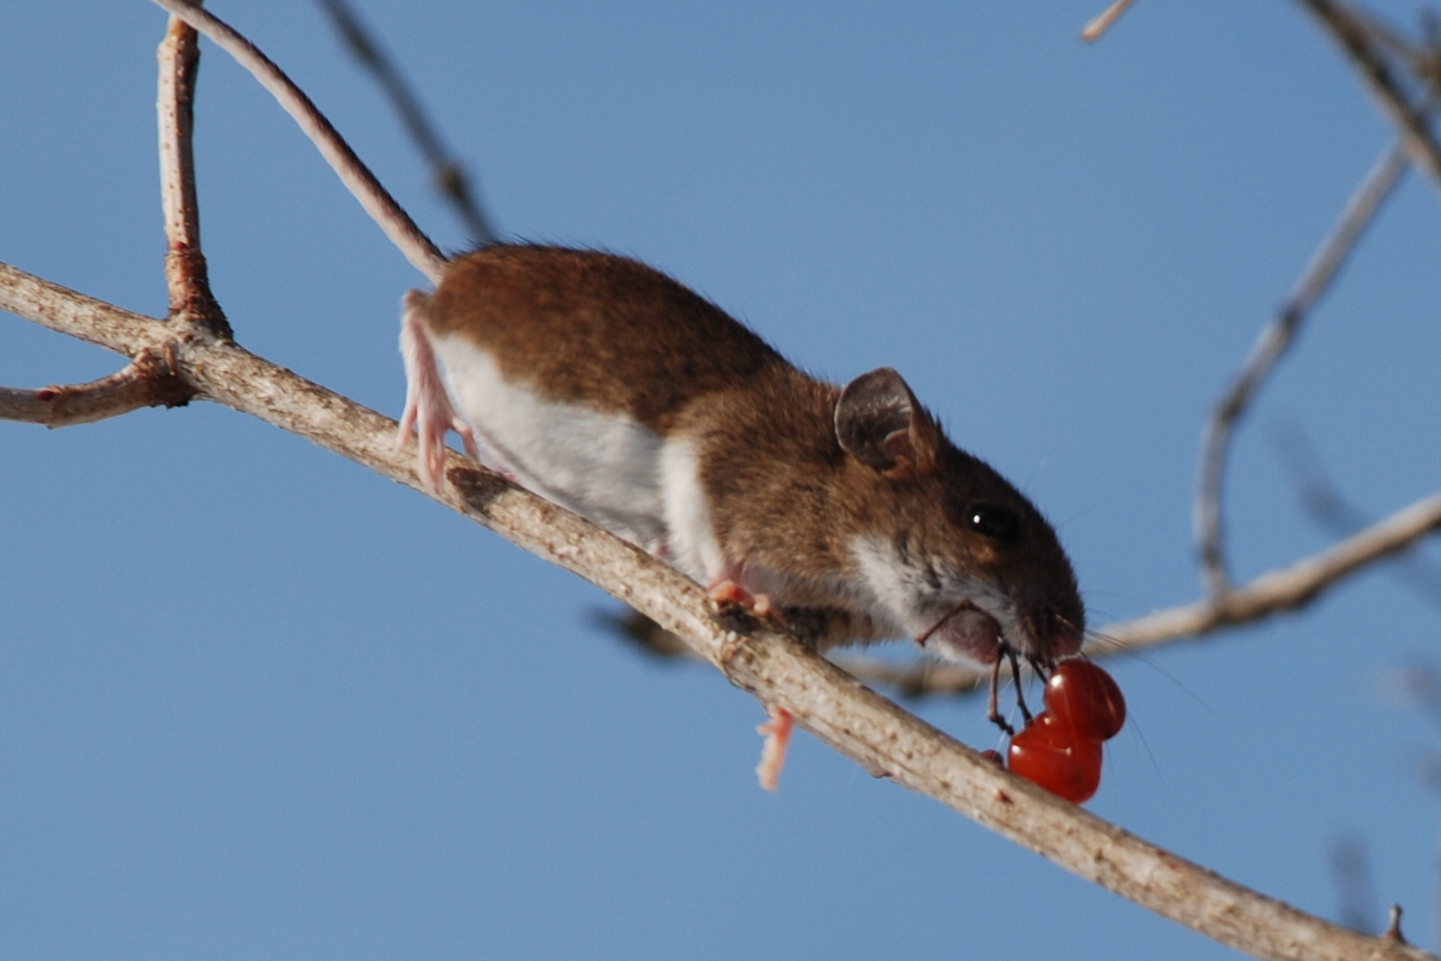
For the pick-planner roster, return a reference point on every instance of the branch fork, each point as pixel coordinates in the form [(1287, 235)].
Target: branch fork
[(152, 379)]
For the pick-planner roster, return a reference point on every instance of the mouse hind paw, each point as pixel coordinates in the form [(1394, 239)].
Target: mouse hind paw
[(726, 593), (427, 406), (777, 732)]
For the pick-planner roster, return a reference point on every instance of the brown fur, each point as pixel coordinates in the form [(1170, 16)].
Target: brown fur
[(591, 335), (784, 495), (607, 332)]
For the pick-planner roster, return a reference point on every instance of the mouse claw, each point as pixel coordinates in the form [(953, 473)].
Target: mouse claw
[(467, 437), (727, 593), (428, 409)]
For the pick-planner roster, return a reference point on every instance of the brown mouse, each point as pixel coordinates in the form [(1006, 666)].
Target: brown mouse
[(614, 391)]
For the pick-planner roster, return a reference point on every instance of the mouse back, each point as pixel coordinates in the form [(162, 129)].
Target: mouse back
[(590, 328)]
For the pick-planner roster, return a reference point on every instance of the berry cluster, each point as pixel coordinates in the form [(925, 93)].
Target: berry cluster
[(1060, 749)]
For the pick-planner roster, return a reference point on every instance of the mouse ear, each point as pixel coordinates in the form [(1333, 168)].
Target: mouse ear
[(879, 422)]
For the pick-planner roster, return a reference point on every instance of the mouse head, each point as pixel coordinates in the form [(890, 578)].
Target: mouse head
[(952, 552)]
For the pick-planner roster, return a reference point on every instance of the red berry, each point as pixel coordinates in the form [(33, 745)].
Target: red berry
[(1083, 697), (1057, 758)]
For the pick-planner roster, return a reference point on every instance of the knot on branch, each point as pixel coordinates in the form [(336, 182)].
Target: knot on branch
[(191, 303), (478, 488), (162, 384)]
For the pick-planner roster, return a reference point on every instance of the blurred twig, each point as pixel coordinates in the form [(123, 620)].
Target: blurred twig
[(1324, 504), (1393, 927), (1277, 336), (1093, 31), (1351, 870), (446, 172), (1369, 52), (1367, 41)]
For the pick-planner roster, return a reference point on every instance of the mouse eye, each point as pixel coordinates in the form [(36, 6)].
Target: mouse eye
[(994, 521)]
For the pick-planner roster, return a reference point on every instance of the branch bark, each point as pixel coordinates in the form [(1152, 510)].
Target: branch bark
[(187, 277), (150, 380)]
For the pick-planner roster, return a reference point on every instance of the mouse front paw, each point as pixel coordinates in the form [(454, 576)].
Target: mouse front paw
[(730, 596)]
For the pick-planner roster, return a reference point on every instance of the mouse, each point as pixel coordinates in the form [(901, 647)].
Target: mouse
[(843, 512)]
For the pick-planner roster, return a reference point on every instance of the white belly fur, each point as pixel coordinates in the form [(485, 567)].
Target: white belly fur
[(690, 537), (605, 467)]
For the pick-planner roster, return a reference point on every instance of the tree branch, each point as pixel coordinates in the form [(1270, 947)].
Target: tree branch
[(1273, 342), (67, 312), (186, 275), (1354, 36), (148, 381), (833, 706), (1093, 31), (358, 179), (1284, 589)]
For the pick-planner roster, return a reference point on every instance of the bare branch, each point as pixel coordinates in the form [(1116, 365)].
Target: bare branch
[(836, 708), (1273, 342), (358, 179), (1093, 31), (148, 381), (1355, 37), (1285, 589), (446, 172), (85, 318), (186, 275)]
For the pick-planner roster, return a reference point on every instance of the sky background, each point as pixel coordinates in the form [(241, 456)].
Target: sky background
[(256, 702)]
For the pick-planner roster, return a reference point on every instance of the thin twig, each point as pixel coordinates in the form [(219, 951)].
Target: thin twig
[(186, 275), (1393, 926), (1093, 31), (148, 381), (1331, 512), (773, 666), (1273, 342), (447, 173), (353, 173), (1284, 589), (1355, 38)]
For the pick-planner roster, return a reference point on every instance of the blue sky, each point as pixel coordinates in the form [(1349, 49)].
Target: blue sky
[(256, 702)]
